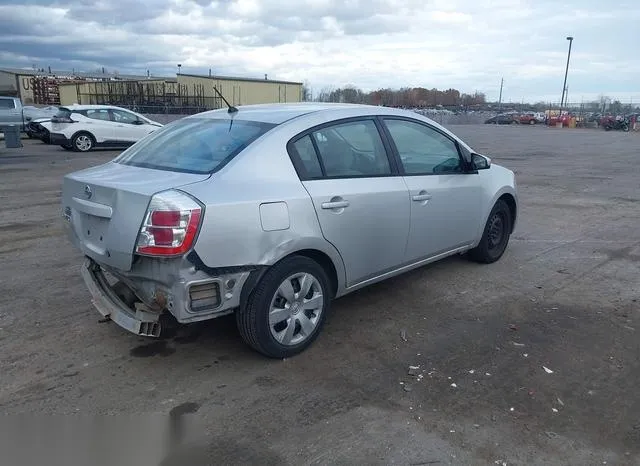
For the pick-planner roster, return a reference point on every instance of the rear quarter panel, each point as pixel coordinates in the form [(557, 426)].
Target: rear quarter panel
[(232, 232)]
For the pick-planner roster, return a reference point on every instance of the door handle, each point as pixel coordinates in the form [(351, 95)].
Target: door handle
[(422, 196), (335, 205)]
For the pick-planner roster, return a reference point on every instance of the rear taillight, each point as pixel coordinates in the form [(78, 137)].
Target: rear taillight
[(170, 225)]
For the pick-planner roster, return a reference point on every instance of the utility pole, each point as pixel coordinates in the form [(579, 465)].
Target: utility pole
[(500, 98), (566, 71)]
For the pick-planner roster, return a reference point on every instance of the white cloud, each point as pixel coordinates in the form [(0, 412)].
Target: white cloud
[(367, 43)]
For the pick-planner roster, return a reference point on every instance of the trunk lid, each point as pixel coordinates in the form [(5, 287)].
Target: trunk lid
[(104, 207)]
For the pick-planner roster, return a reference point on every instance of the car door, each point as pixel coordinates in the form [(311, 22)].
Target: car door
[(98, 122), (445, 198), (129, 128), (361, 202)]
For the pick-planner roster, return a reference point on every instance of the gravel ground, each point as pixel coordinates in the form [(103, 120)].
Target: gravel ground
[(564, 298)]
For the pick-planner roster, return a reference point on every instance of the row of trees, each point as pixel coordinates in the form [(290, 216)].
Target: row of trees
[(404, 97), (421, 97)]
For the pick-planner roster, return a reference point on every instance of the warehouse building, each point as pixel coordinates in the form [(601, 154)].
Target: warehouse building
[(245, 91), (185, 93), (40, 86)]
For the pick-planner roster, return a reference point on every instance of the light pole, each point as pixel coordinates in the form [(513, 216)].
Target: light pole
[(566, 71)]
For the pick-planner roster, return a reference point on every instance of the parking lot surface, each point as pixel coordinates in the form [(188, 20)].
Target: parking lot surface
[(531, 360)]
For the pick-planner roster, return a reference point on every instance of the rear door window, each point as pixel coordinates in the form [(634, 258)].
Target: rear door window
[(305, 154), (98, 114), (352, 149), (194, 145)]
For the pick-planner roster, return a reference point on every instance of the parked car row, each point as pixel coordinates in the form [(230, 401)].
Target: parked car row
[(530, 118)]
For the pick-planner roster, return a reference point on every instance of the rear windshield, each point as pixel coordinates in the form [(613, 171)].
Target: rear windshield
[(193, 145), (62, 113)]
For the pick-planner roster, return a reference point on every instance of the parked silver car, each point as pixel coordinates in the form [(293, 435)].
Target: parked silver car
[(272, 211)]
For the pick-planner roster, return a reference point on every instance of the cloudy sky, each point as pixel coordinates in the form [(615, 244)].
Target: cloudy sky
[(465, 44)]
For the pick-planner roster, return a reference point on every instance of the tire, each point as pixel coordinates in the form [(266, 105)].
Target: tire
[(489, 250), (532, 122), (83, 142), (625, 128), (269, 336)]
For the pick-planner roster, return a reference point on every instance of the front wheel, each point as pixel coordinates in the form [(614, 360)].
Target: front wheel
[(496, 235), (287, 309), (532, 122)]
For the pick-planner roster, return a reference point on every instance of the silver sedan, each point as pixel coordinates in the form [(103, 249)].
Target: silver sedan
[(272, 211)]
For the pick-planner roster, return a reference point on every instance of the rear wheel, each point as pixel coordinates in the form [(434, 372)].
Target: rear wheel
[(286, 311), (496, 235), (83, 142), (532, 122)]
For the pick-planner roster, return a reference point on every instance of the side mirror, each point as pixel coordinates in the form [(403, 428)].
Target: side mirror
[(480, 162)]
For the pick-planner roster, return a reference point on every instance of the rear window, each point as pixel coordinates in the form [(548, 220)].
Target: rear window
[(7, 103), (63, 113), (193, 145)]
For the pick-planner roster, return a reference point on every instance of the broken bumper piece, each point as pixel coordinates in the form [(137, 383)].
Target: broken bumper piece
[(107, 302)]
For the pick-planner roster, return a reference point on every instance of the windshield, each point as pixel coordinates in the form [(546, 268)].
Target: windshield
[(193, 145)]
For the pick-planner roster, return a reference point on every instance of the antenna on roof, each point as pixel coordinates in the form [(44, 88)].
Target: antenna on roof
[(231, 109)]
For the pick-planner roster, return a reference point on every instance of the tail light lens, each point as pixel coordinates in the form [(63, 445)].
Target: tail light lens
[(170, 225)]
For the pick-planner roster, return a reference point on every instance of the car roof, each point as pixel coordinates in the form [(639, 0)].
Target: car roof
[(88, 107), (280, 112)]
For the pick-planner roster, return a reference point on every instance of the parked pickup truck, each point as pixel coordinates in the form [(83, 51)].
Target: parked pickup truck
[(11, 112)]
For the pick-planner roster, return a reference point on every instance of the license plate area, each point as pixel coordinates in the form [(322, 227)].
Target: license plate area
[(92, 231)]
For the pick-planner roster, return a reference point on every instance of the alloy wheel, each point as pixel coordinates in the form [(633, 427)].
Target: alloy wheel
[(83, 143)]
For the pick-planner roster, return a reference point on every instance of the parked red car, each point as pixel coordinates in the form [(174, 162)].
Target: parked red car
[(528, 119)]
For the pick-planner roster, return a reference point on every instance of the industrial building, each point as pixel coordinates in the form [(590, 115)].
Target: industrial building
[(186, 91), (41, 87)]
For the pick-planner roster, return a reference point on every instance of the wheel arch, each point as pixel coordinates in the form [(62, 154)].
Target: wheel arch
[(331, 263), (509, 196), (510, 200)]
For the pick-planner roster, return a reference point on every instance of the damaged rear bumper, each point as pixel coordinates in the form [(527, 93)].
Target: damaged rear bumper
[(107, 302)]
